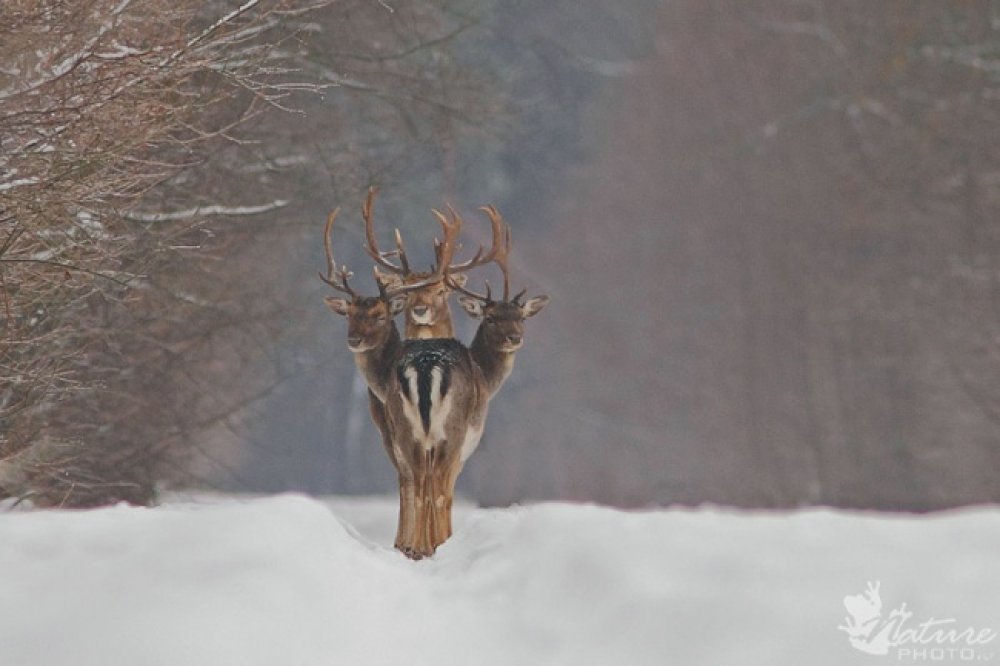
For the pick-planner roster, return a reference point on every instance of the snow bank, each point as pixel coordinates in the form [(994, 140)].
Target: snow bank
[(285, 581)]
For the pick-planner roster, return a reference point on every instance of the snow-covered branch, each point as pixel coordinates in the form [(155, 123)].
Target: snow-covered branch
[(205, 211), (71, 61), (204, 34)]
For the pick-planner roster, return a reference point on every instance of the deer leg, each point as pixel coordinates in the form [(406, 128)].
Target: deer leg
[(429, 517), (444, 475), (441, 509), (407, 515), (442, 501), (421, 544), (410, 500), (405, 535), (454, 469), (451, 477), (426, 498), (430, 501)]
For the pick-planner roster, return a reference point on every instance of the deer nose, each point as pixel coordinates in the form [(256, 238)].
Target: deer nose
[(354, 341), (514, 339), (419, 310)]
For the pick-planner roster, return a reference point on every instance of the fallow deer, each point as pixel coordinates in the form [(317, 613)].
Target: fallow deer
[(374, 339), (430, 397), (501, 330), (427, 312), (445, 393)]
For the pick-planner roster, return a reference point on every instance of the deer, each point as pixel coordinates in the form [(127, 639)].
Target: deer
[(430, 397), (377, 346), (375, 341), (427, 312), (439, 413), (500, 333)]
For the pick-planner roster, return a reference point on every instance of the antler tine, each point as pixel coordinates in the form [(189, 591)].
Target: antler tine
[(457, 287), (401, 253), (372, 247), (500, 259), (498, 254), (480, 259), (446, 248), (331, 265)]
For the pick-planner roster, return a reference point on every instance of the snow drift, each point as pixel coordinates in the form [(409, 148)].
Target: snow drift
[(288, 580)]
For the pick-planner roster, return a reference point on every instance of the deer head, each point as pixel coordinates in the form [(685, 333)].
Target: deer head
[(369, 318), (502, 326), (427, 292)]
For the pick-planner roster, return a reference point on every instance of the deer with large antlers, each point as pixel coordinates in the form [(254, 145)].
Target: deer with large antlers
[(500, 333), (378, 348), (446, 391), (429, 397), (375, 341), (427, 311)]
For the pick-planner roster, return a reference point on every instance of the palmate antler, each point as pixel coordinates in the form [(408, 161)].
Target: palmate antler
[(444, 250), (498, 255), (338, 278), (482, 257)]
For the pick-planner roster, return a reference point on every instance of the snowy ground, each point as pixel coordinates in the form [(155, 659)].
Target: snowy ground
[(288, 581)]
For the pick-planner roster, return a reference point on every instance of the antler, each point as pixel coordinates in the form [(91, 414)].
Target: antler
[(445, 250), (500, 231), (501, 254), (485, 298), (331, 265), (498, 255), (382, 258), (337, 278)]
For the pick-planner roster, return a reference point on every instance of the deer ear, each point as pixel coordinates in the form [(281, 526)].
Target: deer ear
[(459, 279), (472, 306), (397, 304), (338, 305), (388, 280), (534, 306)]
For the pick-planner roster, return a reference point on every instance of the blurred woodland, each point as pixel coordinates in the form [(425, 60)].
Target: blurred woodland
[(768, 229)]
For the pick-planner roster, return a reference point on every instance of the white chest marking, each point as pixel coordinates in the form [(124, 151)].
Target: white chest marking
[(440, 409), (410, 409)]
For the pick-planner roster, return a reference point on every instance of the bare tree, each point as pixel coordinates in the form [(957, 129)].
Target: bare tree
[(100, 104), (157, 160)]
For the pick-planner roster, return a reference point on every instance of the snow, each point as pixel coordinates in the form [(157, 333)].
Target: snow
[(11, 184), (289, 580)]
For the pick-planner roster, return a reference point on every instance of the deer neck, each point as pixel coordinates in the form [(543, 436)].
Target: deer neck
[(494, 363), (442, 328), (376, 363)]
